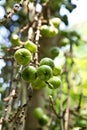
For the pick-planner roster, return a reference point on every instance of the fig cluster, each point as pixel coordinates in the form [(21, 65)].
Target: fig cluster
[(52, 29), (48, 31), (46, 74)]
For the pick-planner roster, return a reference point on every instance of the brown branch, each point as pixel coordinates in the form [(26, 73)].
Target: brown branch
[(1, 122), (7, 58), (10, 98), (13, 11), (37, 40), (24, 28)]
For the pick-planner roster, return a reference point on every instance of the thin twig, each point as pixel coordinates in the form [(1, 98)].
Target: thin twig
[(52, 105), (61, 109), (66, 127), (67, 110)]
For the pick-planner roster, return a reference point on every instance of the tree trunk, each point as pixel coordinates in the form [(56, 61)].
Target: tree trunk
[(36, 101)]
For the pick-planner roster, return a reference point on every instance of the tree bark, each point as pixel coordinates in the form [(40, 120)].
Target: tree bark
[(36, 101)]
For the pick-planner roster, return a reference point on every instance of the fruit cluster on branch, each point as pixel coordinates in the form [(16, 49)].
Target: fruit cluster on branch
[(38, 74)]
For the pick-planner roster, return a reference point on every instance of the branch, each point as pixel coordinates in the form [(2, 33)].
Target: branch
[(67, 110), (73, 112), (10, 98), (52, 105), (13, 11), (61, 109), (66, 127)]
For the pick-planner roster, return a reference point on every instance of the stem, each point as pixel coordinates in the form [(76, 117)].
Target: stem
[(67, 110), (61, 109), (52, 105), (67, 113), (37, 39)]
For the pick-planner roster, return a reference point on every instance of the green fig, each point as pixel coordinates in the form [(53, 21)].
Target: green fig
[(23, 56), (56, 21), (52, 31), (38, 112), (54, 51), (47, 61), (48, 31), (38, 84), (65, 41), (57, 70), (43, 120), (44, 30), (29, 73), (55, 82), (44, 72), (15, 40), (32, 47)]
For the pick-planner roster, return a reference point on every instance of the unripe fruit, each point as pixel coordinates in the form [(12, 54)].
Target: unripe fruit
[(65, 41), (55, 81), (52, 31), (43, 120), (56, 21), (38, 113), (23, 56), (44, 72), (47, 61), (57, 70), (15, 40), (54, 51), (29, 73), (45, 30), (38, 84), (30, 46), (48, 31)]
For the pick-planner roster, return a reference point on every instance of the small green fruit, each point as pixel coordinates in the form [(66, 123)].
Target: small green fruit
[(38, 84), (54, 51), (30, 46), (57, 70), (65, 41), (44, 72), (56, 21), (48, 31), (43, 120), (47, 61), (55, 81), (45, 30), (38, 113), (15, 40), (23, 56), (29, 73), (52, 31)]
